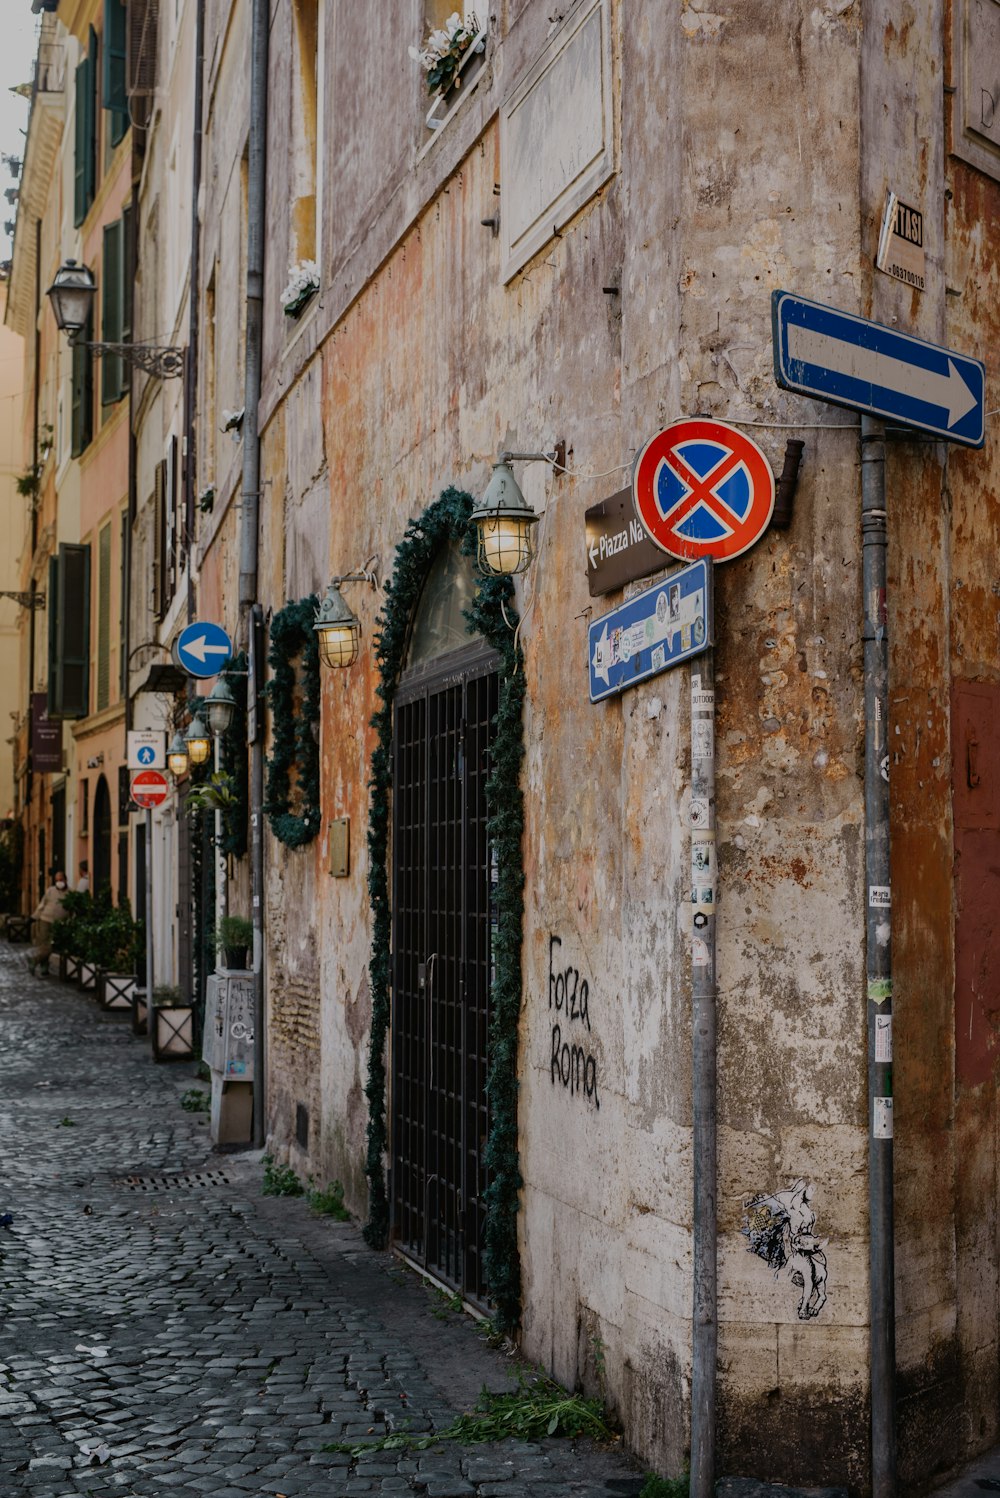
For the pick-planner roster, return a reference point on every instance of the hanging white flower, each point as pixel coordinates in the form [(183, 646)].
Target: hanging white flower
[(303, 280)]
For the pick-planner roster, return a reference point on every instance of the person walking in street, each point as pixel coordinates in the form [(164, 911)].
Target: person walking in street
[(50, 908), (83, 883)]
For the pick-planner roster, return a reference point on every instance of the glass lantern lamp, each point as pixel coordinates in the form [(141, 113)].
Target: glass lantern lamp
[(503, 520), (72, 296), (338, 631), (177, 757), (198, 741), (221, 705)]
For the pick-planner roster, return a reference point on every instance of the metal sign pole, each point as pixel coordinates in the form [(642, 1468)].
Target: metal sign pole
[(878, 931), (150, 1016), (703, 1033)]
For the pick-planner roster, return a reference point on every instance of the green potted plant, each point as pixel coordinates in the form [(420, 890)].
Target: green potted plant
[(172, 1018), (234, 939), (116, 938)]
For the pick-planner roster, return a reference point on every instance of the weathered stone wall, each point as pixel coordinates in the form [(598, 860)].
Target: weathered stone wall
[(754, 146)]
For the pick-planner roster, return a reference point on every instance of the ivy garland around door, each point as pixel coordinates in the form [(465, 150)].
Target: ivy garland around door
[(448, 519), (293, 741)]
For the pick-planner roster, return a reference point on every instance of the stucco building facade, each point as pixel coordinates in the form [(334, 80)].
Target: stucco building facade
[(473, 902)]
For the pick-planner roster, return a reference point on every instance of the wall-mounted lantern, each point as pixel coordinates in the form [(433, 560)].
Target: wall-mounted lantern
[(503, 518), (72, 296), (338, 630), (198, 741)]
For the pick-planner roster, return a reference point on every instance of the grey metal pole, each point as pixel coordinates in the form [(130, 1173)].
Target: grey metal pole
[(150, 1017), (704, 866), (250, 502), (878, 932)]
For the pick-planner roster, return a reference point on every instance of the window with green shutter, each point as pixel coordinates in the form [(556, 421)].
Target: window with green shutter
[(113, 95), (104, 618), (85, 156), (82, 415), (113, 311), (69, 632)]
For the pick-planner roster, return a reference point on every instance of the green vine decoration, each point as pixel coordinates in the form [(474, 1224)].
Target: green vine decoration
[(292, 635), (236, 757), (448, 519)]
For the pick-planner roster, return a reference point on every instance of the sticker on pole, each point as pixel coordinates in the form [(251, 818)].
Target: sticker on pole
[(703, 489), (148, 789)]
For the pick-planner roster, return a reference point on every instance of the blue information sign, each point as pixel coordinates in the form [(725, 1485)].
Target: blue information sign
[(835, 356), (202, 649), (657, 629)]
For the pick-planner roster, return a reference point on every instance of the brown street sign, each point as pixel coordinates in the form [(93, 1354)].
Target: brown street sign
[(618, 549)]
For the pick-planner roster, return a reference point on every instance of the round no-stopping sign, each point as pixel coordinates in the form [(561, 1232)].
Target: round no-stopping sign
[(703, 489), (148, 788)]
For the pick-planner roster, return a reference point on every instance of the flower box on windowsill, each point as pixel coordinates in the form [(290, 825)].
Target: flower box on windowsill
[(445, 101), (295, 308), (115, 991)]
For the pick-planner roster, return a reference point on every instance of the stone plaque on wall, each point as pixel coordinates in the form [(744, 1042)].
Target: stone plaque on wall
[(556, 134), (976, 63)]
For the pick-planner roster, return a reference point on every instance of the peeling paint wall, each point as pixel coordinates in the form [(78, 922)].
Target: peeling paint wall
[(753, 144)]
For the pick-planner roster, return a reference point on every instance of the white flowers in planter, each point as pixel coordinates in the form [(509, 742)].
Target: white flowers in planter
[(303, 282), (444, 48)]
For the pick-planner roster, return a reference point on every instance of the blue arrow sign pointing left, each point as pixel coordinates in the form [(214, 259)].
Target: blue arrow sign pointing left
[(202, 649), (835, 356)]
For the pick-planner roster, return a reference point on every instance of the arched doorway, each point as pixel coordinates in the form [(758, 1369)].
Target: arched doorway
[(100, 867), (443, 877)]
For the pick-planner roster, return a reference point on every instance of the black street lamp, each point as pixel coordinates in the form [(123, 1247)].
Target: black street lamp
[(72, 296)]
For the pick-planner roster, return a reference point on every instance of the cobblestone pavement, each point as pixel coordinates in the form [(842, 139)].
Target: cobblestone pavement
[(210, 1338)]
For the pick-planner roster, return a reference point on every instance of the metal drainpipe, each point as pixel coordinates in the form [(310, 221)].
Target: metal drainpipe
[(194, 306), (704, 868), (878, 917), (250, 501), (32, 626)]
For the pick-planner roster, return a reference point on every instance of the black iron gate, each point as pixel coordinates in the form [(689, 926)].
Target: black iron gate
[(443, 878)]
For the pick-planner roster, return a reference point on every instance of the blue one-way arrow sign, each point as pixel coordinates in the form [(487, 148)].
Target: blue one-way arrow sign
[(834, 356), (202, 649)]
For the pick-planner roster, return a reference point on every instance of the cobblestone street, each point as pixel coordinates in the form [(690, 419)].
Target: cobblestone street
[(153, 1303)]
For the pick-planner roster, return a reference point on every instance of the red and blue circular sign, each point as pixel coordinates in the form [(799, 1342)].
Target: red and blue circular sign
[(703, 489)]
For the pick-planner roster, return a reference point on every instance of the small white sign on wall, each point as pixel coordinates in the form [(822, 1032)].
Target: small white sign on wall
[(556, 135)]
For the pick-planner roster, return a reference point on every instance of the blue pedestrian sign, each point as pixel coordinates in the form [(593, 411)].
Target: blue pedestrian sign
[(835, 356), (658, 628), (202, 649)]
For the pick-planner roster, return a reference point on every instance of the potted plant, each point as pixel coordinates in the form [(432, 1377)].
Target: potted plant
[(445, 49), (303, 284), (116, 941), (234, 939), (68, 933), (172, 1017)]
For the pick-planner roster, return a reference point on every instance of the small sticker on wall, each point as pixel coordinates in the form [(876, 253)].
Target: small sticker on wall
[(883, 1039), (879, 990), (882, 1118), (699, 953), (879, 896), (702, 739), (699, 812)]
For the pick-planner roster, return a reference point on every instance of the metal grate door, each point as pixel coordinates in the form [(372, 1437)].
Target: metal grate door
[(443, 878)]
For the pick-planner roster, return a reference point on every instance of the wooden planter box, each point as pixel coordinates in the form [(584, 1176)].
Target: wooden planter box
[(56, 965), (18, 928), (173, 1032), (115, 991), (71, 969), (139, 1011), (88, 975)]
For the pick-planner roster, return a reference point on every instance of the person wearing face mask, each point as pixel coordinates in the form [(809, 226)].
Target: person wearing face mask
[(50, 908)]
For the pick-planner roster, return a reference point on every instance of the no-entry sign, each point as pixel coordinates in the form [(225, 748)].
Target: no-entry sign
[(148, 789), (703, 489)]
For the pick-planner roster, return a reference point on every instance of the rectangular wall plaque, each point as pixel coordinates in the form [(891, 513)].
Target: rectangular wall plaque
[(556, 134), (340, 847), (976, 79)]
